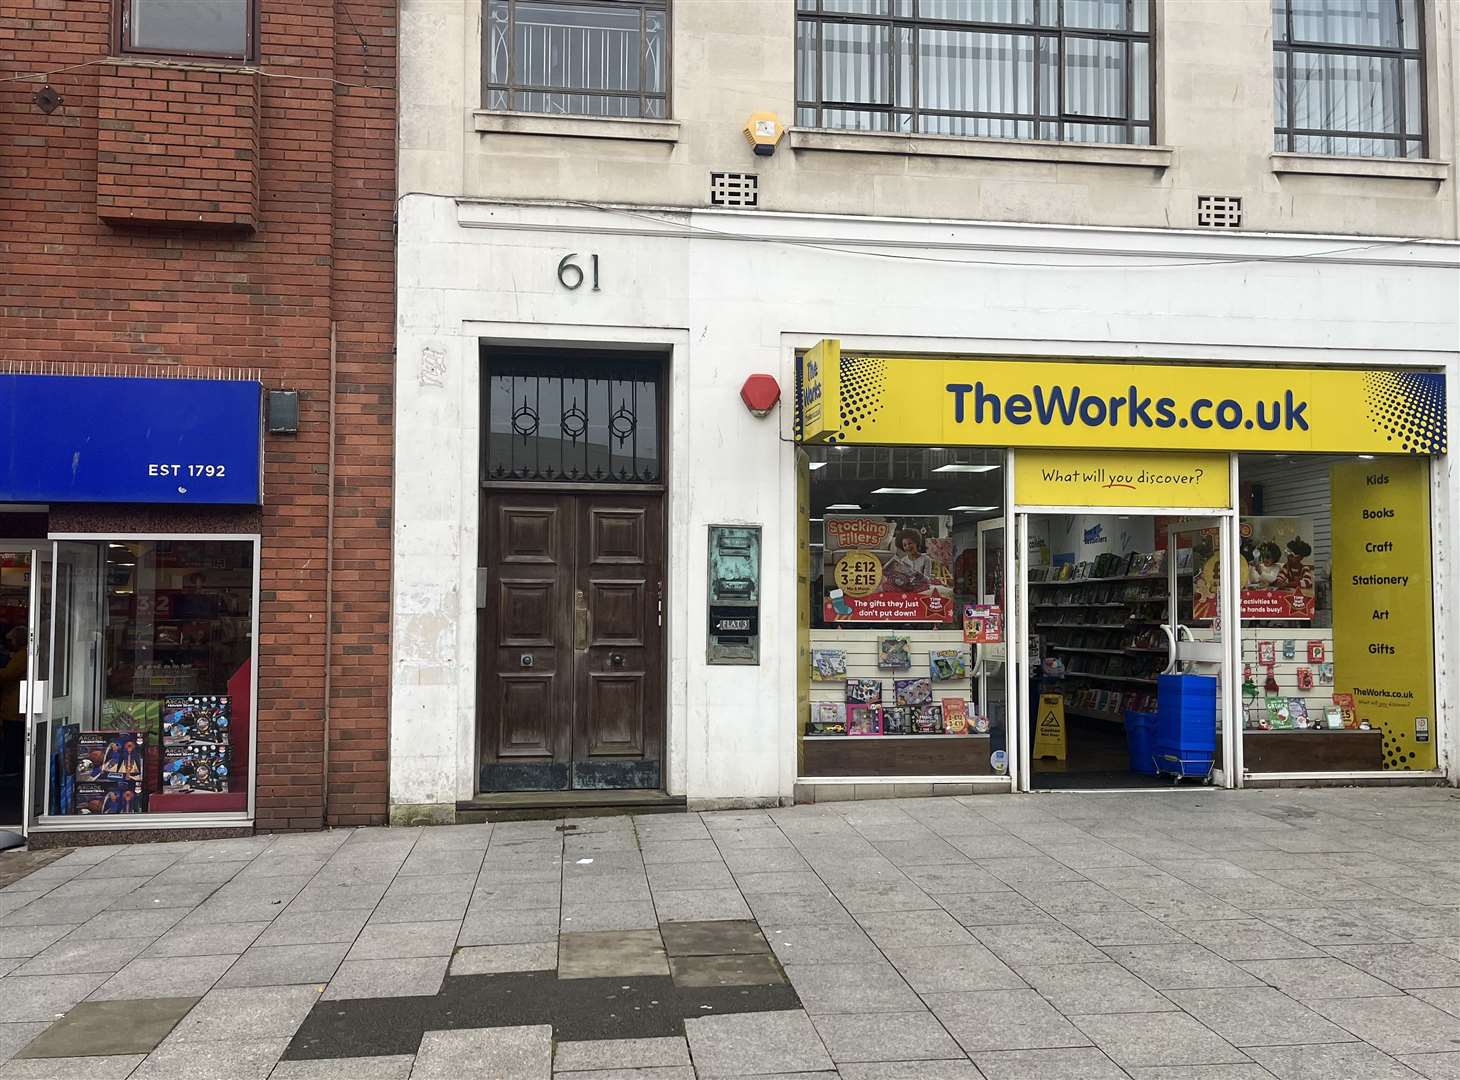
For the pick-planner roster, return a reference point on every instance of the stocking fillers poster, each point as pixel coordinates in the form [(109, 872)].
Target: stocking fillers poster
[(889, 570)]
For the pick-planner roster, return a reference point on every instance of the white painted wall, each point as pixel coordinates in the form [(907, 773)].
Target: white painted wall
[(736, 293)]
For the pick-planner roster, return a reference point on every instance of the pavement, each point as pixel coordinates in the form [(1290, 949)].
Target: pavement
[(1166, 935)]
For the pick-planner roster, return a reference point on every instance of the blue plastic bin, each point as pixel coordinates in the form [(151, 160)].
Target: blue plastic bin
[(1186, 713), (1140, 729)]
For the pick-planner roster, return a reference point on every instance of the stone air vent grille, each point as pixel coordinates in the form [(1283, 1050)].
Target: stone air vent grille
[(734, 189), (1219, 211)]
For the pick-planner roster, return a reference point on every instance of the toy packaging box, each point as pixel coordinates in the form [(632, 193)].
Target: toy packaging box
[(913, 691), (110, 755)]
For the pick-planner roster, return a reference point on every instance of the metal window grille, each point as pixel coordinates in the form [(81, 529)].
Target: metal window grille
[(734, 189), (1068, 70), (1219, 211), (599, 58), (1348, 78), (571, 416)]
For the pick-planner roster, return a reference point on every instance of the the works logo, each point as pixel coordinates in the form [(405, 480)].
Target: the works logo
[(1069, 406)]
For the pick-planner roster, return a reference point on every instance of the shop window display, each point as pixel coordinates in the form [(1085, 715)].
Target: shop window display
[(152, 677), (1337, 614), (906, 647)]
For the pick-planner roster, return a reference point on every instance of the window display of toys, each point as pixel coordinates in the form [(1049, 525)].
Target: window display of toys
[(864, 719), (928, 720), (195, 743), (913, 691), (827, 718), (864, 691), (897, 720), (955, 716), (947, 664), (893, 655), (828, 665)]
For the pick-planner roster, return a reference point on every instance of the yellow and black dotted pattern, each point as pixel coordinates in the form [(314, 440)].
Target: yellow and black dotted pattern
[(862, 381), (1401, 749), (1408, 408)]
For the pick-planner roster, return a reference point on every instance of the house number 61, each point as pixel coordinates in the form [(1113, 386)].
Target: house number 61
[(570, 274)]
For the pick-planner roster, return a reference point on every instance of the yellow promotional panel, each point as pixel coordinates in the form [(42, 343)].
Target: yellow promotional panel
[(967, 401), (820, 402), (1049, 728), (1121, 478), (1382, 604), (803, 599)]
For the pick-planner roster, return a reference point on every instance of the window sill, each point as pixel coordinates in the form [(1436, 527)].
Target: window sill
[(880, 142), (183, 63), (1337, 165), (581, 127)]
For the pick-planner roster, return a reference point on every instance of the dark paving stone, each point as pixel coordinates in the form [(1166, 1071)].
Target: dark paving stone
[(19, 864), (610, 953), (620, 1008), (752, 969), (106, 1028), (720, 937)]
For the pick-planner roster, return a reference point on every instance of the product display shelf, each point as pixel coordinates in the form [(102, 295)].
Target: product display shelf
[(1114, 616), (1095, 626), (1151, 681), (888, 738)]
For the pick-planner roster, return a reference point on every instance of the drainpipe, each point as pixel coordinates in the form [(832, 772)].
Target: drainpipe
[(329, 589)]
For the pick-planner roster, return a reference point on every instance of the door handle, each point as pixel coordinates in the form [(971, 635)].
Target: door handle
[(616, 659), (582, 621)]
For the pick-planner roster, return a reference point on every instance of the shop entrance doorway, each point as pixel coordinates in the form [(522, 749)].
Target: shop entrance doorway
[(1126, 660), (16, 572), (571, 662)]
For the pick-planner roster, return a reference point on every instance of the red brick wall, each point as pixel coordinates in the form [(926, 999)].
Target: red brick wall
[(75, 290), (177, 147)]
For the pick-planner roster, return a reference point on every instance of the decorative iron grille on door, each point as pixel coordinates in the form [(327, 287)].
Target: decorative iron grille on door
[(572, 418)]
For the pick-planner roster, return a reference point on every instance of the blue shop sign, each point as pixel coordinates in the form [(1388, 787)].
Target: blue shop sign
[(82, 438)]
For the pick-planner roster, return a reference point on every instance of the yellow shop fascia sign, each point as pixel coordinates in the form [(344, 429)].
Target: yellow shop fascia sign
[(968, 401), (1122, 478)]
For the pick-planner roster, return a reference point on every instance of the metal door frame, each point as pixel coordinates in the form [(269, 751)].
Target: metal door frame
[(28, 686), (1228, 709), (1225, 622)]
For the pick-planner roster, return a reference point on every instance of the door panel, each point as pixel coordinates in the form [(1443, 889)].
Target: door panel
[(616, 535), (526, 644), (618, 611), (571, 680), (528, 610), (618, 727), (616, 715)]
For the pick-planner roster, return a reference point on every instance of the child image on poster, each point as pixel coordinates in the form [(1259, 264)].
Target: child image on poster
[(1277, 568), (888, 570)]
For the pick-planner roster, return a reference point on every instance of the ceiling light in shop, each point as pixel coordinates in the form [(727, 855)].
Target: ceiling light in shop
[(818, 465), (965, 468), (898, 491), (972, 509), (1366, 457), (844, 506)]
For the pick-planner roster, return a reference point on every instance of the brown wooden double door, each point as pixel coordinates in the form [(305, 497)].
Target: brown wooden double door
[(571, 690)]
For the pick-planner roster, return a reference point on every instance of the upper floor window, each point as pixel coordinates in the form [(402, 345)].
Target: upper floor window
[(213, 28), (1348, 77), (1074, 70), (585, 58)]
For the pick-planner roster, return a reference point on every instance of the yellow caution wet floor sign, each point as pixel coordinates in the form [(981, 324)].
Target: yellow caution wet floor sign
[(1049, 728)]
